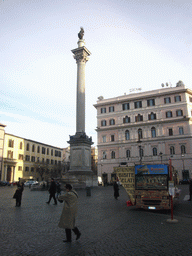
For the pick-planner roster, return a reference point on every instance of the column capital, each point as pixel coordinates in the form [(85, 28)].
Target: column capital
[(81, 54)]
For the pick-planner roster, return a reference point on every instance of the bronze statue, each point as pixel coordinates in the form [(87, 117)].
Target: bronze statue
[(81, 33)]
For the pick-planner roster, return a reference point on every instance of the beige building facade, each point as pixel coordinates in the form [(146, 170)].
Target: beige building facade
[(145, 128), (26, 159)]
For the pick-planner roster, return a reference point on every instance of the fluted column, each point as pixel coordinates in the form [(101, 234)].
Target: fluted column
[(81, 55)]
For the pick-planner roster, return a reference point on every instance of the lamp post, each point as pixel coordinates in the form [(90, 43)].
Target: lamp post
[(161, 155), (140, 153), (101, 171), (183, 161)]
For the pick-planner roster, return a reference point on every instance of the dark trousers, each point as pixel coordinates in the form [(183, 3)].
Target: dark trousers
[(68, 233), (52, 195), (18, 201)]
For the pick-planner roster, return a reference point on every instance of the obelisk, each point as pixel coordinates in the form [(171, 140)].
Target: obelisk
[(80, 143)]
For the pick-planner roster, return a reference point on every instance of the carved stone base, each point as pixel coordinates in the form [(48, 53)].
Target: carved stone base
[(80, 153), (82, 180)]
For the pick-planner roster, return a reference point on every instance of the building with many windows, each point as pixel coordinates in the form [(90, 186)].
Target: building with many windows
[(145, 128), (27, 159)]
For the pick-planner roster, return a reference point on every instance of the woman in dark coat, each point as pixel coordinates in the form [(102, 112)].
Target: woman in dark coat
[(18, 194), (116, 190)]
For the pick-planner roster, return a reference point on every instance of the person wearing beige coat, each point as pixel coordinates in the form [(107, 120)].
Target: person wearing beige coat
[(69, 212)]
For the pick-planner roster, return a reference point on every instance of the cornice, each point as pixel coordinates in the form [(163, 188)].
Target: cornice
[(143, 95)]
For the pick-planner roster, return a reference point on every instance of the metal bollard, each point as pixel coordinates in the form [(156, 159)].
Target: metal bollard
[(88, 191)]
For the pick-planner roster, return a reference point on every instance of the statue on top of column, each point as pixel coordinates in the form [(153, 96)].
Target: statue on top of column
[(81, 33)]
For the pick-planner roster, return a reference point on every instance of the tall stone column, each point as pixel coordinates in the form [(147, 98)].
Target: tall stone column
[(81, 55), (80, 143)]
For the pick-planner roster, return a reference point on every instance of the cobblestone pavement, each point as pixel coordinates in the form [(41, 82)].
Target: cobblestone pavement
[(107, 225)]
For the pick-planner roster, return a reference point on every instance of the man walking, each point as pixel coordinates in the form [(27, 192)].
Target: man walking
[(69, 213), (52, 191)]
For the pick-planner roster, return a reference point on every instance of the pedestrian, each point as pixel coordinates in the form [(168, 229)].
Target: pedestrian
[(18, 194), (52, 191), (190, 190), (69, 213), (58, 189), (116, 189)]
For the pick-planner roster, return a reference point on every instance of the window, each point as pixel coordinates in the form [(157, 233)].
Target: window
[(27, 158), (113, 154), (139, 118), (10, 154), (111, 109), (27, 148), (38, 159), (51, 161), (168, 114), (103, 123), (11, 143), (167, 100), (20, 157), (26, 168), (38, 149), (152, 116), (47, 151), (52, 152), (104, 138), (183, 151), (33, 159), (126, 120), (103, 110), (47, 161), (43, 160), (127, 137), (56, 152), (177, 98), (19, 168), (190, 99), (33, 148), (128, 153), (125, 106), (179, 112), (181, 131), (32, 169), (112, 121), (153, 132), (141, 152), (154, 151), (172, 150), (170, 131), (55, 162), (104, 155), (43, 150), (151, 102), (112, 137), (138, 104), (140, 135), (21, 145)]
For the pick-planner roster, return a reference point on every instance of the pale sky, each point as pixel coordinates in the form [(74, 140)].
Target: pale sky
[(134, 44)]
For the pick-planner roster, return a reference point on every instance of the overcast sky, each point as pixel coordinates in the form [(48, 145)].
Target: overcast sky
[(134, 44)]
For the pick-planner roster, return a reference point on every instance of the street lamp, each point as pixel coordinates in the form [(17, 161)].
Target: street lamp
[(140, 153), (183, 161), (161, 155)]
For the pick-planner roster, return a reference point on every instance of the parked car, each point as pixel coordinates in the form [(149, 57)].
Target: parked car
[(30, 183), (185, 181), (3, 183)]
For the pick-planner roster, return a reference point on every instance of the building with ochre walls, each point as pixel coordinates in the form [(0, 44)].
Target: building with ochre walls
[(27, 159)]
